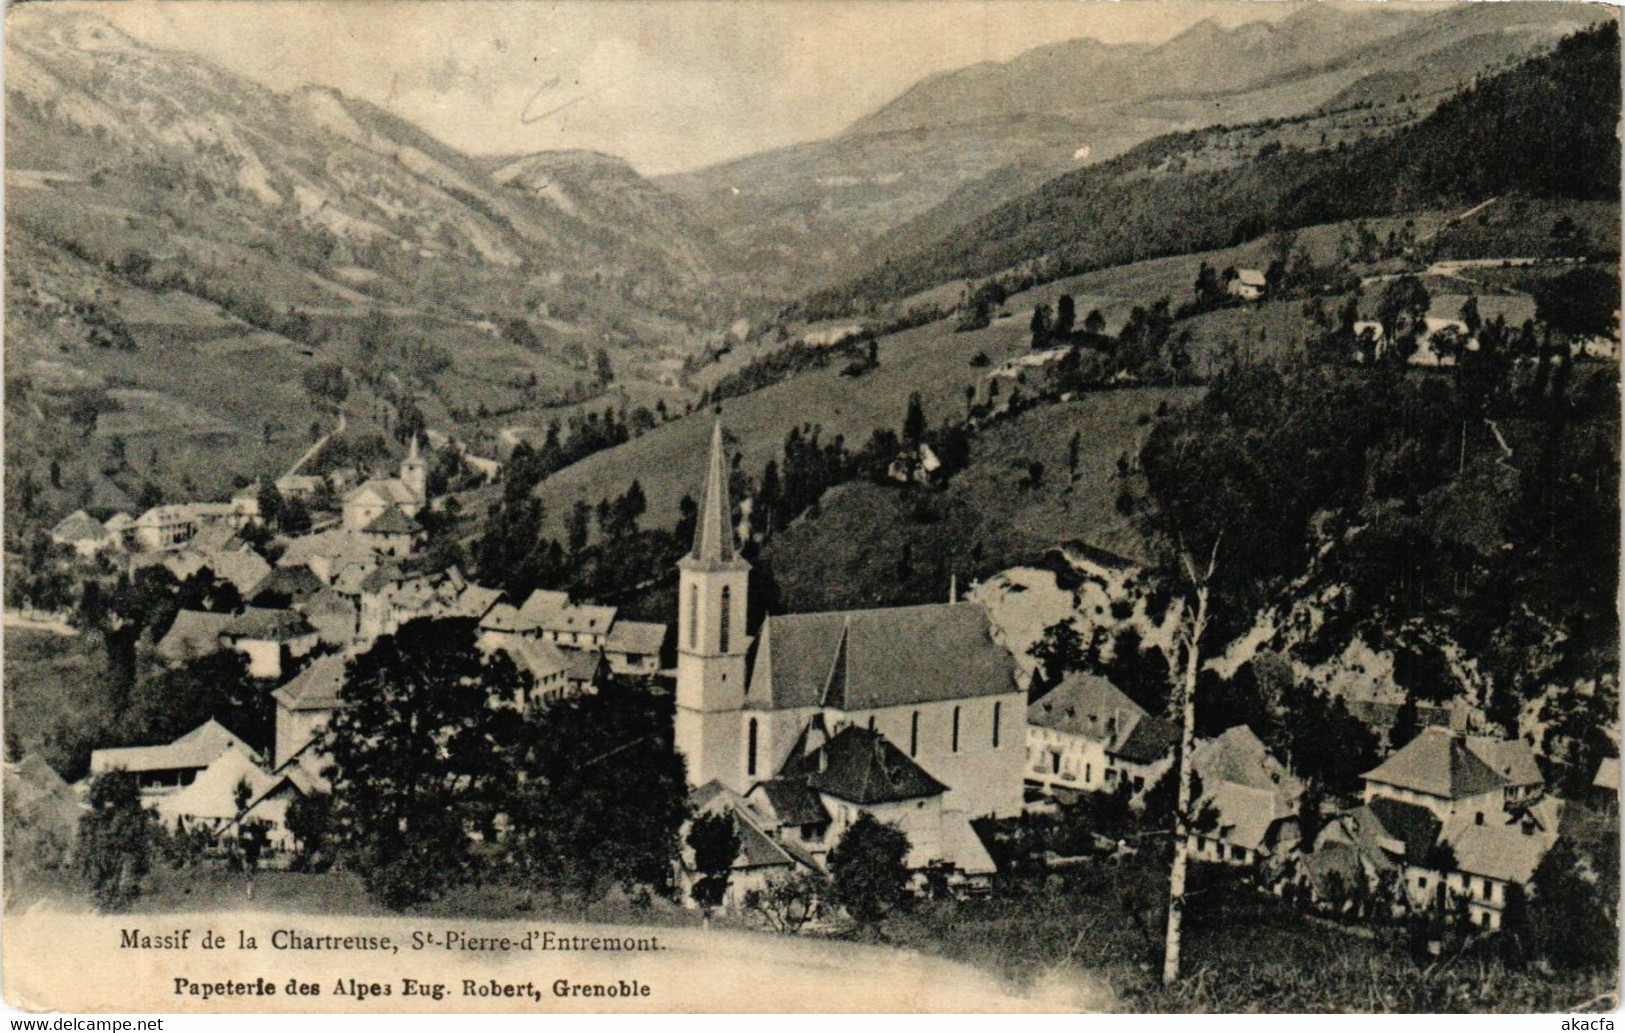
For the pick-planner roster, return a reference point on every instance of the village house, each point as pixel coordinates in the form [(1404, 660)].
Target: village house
[(164, 769), (829, 781), (389, 597), (1403, 850), (84, 535), (631, 647), (285, 587), (301, 486), (163, 527), (931, 697), (120, 525), (169, 527), (305, 704), (213, 799), (549, 667), (1248, 285), (1085, 735), (1248, 811), (764, 855), (241, 566), (393, 533), (1452, 774), (457, 598), (552, 616), (327, 553), (1605, 786), (489, 470), (269, 806), (246, 501), (917, 465), (194, 634), (1451, 817), (271, 639)]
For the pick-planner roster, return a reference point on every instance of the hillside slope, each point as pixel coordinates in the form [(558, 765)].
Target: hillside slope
[(183, 244), (1545, 128)]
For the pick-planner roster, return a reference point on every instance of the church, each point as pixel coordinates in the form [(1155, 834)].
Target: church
[(912, 713), (380, 503)]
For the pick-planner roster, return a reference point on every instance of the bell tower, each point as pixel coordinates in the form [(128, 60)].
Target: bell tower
[(415, 473), (711, 641)]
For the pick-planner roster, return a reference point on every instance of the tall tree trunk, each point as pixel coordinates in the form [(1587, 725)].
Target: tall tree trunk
[(1187, 739)]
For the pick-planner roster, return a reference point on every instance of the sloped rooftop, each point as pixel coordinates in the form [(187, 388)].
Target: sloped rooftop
[(869, 659)]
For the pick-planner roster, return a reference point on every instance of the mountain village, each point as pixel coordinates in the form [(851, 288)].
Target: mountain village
[(916, 715), (1142, 514)]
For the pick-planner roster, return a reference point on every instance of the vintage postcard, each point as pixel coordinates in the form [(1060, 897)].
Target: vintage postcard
[(1022, 506)]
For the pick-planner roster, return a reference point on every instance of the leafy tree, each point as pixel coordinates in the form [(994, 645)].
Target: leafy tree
[(1569, 913), (603, 796), (270, 500), (1402, 307), (417, 765), (520, 333), (869, 869), (1042, 324), (1469, 316), (1579, 303), (1407, 724), (914, 420), (788, 902), (114, 851), (1094, 322), (325, 381), (170, 701), (578, 527), (295, 517), (310, 822), (1066, 315), (715, 841)]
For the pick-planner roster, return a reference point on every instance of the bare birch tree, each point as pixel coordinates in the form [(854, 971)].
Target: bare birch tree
[(1192, 624)]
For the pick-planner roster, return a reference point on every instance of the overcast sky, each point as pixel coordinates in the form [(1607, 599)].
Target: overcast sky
[(667, 85)]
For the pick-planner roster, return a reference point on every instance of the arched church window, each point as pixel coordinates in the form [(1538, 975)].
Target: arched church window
[(693, 616), (727, 617), (750, 749)]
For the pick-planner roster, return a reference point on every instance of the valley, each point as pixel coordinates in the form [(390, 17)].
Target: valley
[(1273, 364)]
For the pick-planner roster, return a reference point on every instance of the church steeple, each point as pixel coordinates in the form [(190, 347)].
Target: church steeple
[(714, 544), (714, 532), (711, 730)]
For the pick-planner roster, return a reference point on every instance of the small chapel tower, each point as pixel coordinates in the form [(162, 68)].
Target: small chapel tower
[(415, 473), (711, 641)]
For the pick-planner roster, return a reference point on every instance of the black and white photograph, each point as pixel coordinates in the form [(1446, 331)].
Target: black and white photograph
[(961, 506)]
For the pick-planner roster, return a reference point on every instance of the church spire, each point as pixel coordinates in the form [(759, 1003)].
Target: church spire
[(714, 533)]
